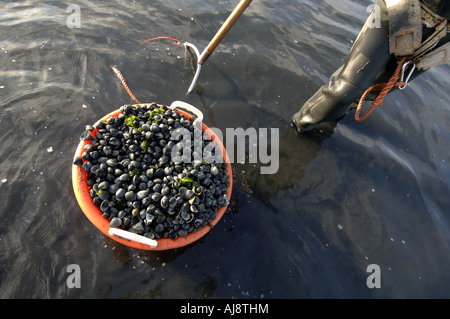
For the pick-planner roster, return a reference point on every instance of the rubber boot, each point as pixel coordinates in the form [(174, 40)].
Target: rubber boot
[(366, 62)]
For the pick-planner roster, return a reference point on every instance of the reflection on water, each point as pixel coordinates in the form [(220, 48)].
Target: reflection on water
[(345, 196)]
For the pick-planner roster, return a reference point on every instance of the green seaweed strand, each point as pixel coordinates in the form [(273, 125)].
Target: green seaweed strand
[(129, 120)]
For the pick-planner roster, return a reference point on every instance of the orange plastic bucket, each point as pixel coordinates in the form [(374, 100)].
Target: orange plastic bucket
[(93, 213)]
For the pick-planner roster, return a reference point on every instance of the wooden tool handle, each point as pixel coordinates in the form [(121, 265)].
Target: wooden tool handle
[(237, 12)]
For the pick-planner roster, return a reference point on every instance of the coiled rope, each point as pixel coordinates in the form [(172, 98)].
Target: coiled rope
[(384, 89), (175, 40), (124, 83), (122, 79)]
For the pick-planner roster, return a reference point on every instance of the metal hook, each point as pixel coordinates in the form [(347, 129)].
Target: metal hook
[(409, 75), (199, 66)]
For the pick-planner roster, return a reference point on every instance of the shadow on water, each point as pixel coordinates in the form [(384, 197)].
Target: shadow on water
[(295, 150), (124, 255)]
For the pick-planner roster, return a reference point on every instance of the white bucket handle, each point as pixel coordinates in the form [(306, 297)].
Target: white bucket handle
[(133, 236), (189, 107)]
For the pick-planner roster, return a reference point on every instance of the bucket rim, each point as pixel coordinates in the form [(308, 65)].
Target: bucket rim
[(93, 213)]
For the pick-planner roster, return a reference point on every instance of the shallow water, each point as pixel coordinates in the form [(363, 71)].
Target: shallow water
[(368, 193)]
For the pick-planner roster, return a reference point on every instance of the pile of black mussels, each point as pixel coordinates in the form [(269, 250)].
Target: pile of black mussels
[(135, 182)]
